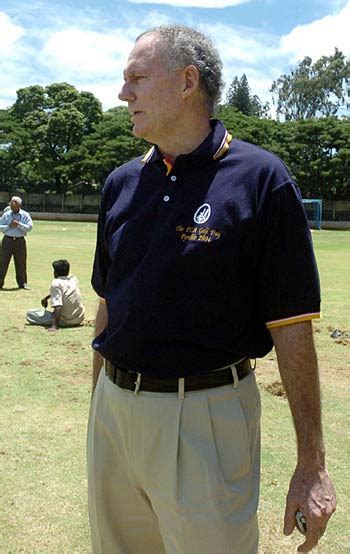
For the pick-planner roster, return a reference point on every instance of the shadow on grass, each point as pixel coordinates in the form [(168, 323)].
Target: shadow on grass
[(9, 289), (87, 324)]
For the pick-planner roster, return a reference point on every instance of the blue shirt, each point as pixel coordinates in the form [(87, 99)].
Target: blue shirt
[(195, 264), (25, 223)]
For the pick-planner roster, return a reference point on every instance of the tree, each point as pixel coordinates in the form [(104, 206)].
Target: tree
[(316, 151), (54, 120), (239, 96), (110, 145), (13, 139), (319, 156), (57, 139), (312, 90)]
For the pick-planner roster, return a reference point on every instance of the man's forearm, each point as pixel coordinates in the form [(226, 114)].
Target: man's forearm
[(297, 361), (311, 489), (56, 317)]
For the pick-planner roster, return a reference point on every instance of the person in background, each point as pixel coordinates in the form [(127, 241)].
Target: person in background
[(6, 209), (15, 223), (65, 298), (203, 261)]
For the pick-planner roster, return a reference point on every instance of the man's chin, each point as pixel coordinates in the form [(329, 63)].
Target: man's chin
[(139, 132)]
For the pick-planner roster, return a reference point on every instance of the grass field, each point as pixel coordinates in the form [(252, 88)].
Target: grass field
[(45, 395)]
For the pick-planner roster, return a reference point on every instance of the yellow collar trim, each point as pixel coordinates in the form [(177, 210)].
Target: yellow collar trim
[(148, 155), (169, 166), (224, 146)]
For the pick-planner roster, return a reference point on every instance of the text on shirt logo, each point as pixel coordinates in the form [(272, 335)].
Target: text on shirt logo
[(202, 214), (199, 234)]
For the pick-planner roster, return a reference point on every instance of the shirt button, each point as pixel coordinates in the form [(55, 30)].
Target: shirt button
[(166, 198), (173, 178)]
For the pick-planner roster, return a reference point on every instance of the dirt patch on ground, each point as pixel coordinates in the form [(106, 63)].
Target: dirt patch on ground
[(334, 365), (340, 336), (276, 389), (89, 323)]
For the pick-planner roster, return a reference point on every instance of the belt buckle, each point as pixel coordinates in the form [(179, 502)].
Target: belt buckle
[(137, 383)]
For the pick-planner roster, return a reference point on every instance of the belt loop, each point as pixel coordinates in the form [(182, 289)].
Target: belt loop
[(234, 375), (137, 384), (181, 391)]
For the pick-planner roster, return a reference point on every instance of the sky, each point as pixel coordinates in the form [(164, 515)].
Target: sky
[(86, 42)]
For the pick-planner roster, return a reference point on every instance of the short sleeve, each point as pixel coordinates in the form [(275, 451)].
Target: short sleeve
[(56, 295), (288, 281)]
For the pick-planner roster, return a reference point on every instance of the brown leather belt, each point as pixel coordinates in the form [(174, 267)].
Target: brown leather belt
[(134, 381)]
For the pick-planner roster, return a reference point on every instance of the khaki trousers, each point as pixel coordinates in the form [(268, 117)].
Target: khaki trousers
[(175, 476)]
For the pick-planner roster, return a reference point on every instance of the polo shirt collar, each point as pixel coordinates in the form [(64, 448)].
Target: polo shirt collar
[(214, 146)]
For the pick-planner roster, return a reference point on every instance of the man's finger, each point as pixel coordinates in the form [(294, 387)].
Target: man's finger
[(313, 535), (289, 518)]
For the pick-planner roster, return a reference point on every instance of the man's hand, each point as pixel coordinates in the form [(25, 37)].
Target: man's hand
[(44, 301), (14, 223), (312, 492)]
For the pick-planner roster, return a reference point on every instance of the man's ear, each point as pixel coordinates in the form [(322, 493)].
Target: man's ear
[(191, 80)]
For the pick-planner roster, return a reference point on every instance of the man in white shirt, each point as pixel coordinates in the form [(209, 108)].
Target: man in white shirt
[(15, 223), (65, 297)]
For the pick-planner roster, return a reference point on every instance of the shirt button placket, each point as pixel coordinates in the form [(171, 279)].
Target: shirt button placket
[(166, 197)]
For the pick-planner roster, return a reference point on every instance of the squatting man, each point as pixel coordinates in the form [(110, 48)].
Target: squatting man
[(65, 298), (174, 428)]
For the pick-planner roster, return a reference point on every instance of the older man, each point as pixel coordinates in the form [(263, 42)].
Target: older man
[(203, 261), (15, 223)]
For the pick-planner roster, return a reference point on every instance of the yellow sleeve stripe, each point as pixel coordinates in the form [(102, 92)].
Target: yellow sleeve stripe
[(291, 320), (101, 300)]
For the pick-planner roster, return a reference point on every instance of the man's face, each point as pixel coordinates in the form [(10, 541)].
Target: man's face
[(14, 206), (152, 91)]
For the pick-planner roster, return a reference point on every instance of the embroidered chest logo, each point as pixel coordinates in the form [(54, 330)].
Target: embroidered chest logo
[(202, 214), (198, 234)]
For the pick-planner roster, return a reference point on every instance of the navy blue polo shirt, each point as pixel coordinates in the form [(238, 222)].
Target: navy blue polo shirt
[(196, 263)]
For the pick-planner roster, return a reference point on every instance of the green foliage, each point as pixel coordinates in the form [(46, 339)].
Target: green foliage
[(319, 156), (316, 151), (109, 145), (57, 139), (48, 124), (311, 90), (239, 96)]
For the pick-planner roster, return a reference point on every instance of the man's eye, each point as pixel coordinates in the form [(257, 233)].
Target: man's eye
[(134, 78)]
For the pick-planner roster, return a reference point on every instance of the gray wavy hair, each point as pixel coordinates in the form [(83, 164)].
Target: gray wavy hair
[(186, 46), (16, 199)]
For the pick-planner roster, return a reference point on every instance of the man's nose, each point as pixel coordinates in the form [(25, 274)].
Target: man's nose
[(125, 93)]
